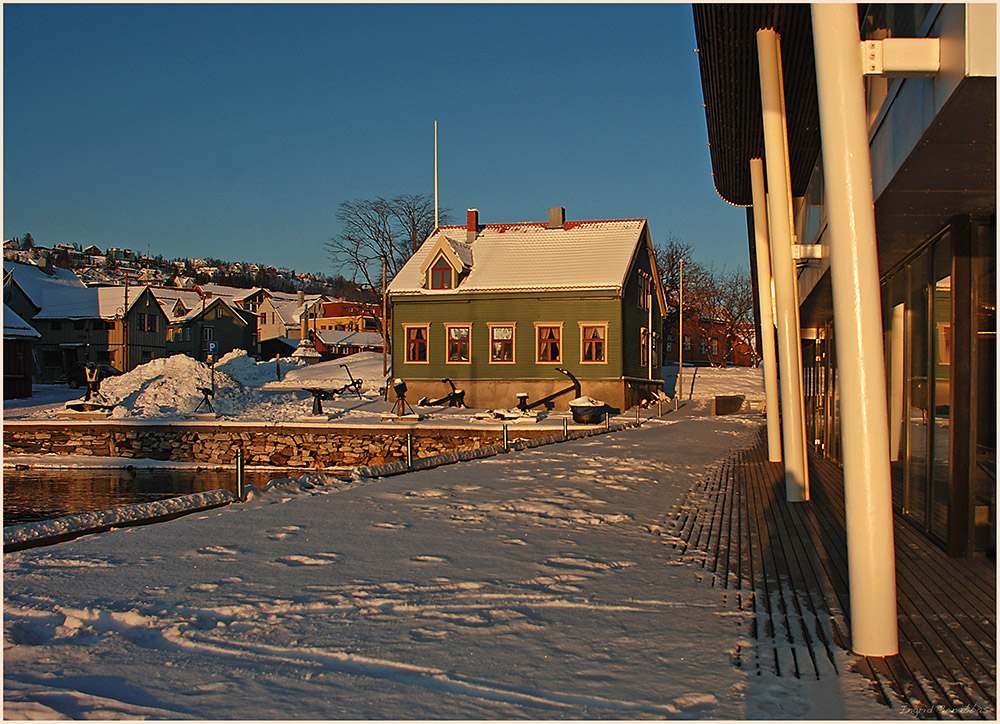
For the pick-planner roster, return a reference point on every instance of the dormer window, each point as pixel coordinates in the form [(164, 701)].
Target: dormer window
[(441, 274), (447, 263)]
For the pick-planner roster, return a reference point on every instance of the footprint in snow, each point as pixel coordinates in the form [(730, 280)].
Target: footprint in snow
[(223, 553), (320, 559), (391, 525), (283, 532), (587, 564), (203, 587), (432, 493), (695, 702), (424, 634)]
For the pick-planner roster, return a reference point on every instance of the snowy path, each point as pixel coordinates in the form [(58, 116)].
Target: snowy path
[(530, 585)]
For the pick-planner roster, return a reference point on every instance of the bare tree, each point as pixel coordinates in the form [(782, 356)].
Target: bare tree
[(415, 214), (717, 303), (377, 231), (735, 310)]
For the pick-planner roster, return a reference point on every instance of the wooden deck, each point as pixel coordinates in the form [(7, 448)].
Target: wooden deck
[(786, 567)]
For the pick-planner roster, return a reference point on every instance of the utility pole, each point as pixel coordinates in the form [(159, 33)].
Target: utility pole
[(385, 325), (125, 328), (680, 337)]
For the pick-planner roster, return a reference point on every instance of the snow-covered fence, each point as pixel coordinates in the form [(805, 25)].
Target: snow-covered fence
[(47, 532)]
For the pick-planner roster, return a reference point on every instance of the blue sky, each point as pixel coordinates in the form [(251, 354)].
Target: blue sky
[(235, 131)]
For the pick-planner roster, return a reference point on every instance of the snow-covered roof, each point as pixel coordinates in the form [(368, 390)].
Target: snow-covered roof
[(458, 253), (62, 295), (44, 288), (65, 302), (342, 338), (530, 256), (221, 290), (14, 326), (288, 312), (167, 298), (291, 311)]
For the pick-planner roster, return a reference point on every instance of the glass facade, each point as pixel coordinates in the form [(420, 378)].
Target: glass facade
[(984, 388), (939, 317)]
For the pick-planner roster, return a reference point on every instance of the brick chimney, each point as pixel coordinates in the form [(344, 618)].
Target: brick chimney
[(557, 217), (471, 225)]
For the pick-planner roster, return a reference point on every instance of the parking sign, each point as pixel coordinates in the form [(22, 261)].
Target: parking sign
[(213, 347)]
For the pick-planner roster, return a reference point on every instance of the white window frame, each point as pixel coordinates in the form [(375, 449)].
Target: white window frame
[(604, 339), (562, 343), (447, 342), (513, 342)]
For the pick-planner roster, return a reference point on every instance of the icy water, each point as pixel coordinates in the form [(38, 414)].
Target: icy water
[(41, 494)]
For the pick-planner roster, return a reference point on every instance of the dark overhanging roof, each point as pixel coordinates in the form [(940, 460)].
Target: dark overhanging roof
[(727, 56)]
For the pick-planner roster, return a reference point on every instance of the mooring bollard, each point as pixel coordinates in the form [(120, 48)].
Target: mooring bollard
[(239, 473), (409, 450)]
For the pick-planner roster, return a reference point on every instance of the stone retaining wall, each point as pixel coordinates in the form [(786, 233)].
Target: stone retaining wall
[(284, 445)]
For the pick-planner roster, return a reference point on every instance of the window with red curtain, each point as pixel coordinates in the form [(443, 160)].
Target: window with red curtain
[(416, 344), (548, 344)]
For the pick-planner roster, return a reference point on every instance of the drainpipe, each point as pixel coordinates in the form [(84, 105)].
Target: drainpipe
[(765, 303), (779, 202), (858, 324)]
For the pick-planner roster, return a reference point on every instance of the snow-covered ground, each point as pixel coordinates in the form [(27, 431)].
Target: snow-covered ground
[(704, 383), (246, 390), (538, 584)]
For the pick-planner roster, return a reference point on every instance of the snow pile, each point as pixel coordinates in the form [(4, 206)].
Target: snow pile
[(166, 387), (586, 401), (250, 373), (366, 366)]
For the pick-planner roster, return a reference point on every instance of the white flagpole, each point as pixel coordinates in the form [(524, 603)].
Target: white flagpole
[(435, 175)]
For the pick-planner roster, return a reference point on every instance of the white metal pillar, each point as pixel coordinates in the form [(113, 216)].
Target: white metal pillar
[(766, 305), (858, 326), (779, 203)]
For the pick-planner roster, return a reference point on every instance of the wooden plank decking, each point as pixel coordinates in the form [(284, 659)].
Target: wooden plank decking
[(786, 566)]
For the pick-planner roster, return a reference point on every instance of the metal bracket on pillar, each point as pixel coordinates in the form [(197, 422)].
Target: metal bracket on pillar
[(901, 57), (810, 251)]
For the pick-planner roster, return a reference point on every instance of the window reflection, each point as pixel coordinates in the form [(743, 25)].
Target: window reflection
[(918, 392)]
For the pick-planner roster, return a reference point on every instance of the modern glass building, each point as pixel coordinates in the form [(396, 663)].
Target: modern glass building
[(931, 123)]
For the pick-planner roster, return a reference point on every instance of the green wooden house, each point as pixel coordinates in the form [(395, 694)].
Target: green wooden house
[(545, 311)]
